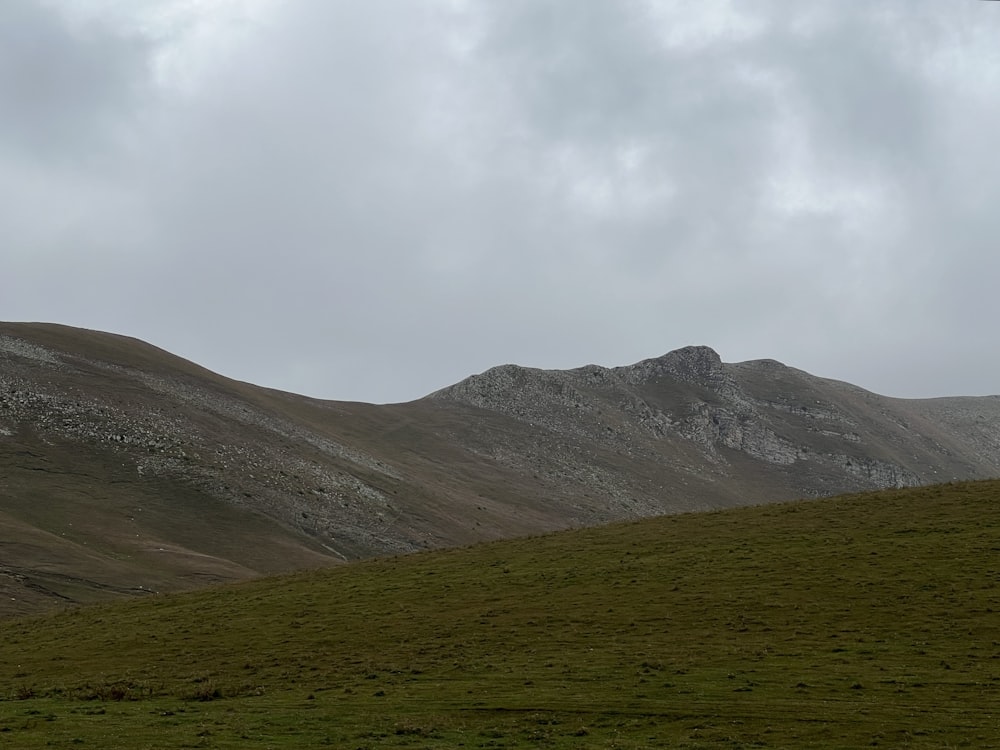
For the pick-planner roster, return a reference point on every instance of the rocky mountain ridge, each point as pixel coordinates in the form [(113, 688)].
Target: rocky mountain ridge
[(760, 409), (124, 468)]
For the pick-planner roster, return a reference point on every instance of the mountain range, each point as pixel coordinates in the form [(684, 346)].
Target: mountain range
[(126, 470)]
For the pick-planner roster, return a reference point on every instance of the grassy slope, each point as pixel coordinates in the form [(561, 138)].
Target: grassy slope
[(78, 526), (851, 622)]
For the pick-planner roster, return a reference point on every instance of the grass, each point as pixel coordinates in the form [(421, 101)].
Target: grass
[(859, 621)]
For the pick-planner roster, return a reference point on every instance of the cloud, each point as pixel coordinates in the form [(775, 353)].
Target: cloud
[(371, 200), (66, 89)]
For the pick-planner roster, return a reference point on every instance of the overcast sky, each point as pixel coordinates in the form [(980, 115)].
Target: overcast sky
[(372, 199)]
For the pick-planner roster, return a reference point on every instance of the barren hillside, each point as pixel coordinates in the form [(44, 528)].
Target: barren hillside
[(124, 469)]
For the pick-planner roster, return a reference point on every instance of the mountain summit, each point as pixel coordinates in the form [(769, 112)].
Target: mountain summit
[(124, 469)]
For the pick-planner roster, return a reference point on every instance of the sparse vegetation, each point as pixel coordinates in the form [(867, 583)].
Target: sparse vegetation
[(860, 621), (127, 470)]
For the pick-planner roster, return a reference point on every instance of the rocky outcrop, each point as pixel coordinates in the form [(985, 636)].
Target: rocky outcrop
[(759, 410)]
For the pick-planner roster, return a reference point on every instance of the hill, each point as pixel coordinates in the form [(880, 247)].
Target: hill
[(858, 621), (126, 470)]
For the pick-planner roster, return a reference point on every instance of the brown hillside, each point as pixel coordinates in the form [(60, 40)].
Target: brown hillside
[(125, 469)]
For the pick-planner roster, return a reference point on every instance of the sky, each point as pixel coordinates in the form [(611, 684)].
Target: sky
[(372, 199)]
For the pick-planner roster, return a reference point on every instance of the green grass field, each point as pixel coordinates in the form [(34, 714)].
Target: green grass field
[(861, 621)]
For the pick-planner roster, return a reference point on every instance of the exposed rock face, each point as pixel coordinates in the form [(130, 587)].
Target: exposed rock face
[(122, 428), (696, 365), (822, 435)]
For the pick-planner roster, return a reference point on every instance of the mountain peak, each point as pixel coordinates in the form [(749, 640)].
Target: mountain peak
[(698, 358), (700, 365)]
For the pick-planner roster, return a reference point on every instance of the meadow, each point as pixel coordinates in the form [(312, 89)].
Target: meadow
[(856, 621)]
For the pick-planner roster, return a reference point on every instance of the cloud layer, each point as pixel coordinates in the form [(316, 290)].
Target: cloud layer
[(370, 200)]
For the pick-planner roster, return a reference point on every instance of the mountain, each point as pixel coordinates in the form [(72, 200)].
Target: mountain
[(125, 469)]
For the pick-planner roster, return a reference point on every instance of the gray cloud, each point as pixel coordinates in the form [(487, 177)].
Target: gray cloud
[(372, 200), (66, 89)]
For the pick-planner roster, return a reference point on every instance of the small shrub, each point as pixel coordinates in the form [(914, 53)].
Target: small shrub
[(119, 690)]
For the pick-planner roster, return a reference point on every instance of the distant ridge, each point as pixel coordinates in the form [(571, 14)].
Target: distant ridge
[(125, 469)]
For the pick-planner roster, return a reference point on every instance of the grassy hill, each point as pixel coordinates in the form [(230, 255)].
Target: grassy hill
[(866, 620)]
